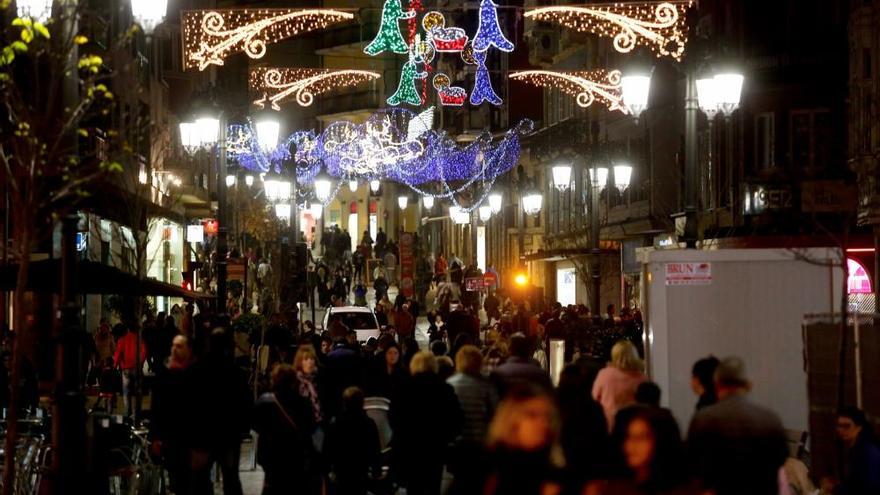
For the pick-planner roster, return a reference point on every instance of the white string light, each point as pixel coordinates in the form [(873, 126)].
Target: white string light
[(585, 86), (661, 26), (209, 36), (277, 84)]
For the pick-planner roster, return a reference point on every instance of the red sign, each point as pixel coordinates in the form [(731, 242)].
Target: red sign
[(211, 227), (474, 284), (490, 280), (407, 265)]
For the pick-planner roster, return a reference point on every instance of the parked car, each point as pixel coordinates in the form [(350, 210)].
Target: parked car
[(361, 320)]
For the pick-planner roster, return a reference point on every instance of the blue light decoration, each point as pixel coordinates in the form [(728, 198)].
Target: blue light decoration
[(483, 90), (489, 31)]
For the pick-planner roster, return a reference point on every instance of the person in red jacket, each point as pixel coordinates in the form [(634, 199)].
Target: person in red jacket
[(126, 361)]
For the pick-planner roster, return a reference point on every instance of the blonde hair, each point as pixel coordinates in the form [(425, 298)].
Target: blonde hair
[(304, 352), (624, 356), (468, 360), (423, 362), (510, 412)]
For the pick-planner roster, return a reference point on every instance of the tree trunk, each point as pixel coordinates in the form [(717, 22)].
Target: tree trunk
[(17, 351)]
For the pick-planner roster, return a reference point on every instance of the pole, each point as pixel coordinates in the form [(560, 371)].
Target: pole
[(222, 216), (710, 171), (69, 420), (595, 261), (690, 164)]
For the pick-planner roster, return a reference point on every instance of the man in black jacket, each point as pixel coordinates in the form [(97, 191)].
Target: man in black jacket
[(352, 445)]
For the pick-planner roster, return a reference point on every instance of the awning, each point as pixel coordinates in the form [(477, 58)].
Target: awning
[(92, 278)]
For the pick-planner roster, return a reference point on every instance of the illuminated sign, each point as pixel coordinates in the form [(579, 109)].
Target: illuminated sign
[(857, 281)]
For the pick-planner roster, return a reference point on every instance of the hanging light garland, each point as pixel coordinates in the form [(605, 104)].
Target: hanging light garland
[(585, 86), (209, 36), (277, 84), (660, 26)]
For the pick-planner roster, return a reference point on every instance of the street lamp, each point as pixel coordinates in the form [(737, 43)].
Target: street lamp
[(374, 185), (634, 91), (316, 209), (622, 176), (562, 177), (428, 201), (147, 13), (323, 186), (277, 189), (189, 137), (249, 180), (268, 130), (485, 213), (459, 216), (496, 201), (532, 201), (230, 180), (353, 185), (728, 87), (402, 202), (207, 129), (599, 177), (37, 10), (707, 96), (282, 212)]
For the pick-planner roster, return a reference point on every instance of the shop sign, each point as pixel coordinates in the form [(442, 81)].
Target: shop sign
[(688, 273)]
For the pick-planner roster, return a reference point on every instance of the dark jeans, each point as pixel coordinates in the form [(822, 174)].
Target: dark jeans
[(227, 458)]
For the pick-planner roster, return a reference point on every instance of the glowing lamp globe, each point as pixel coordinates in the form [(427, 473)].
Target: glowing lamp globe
[(707, 96), (561, 177), (353, 185), (148, 13), (317, 210), (622, 176), (282, 212), (428, 201), (374, 185), (249, 180), (189, 137), (402, 202), (208, 129), (37, 10), (268, 131), (485, 213), (635, 90), (599, 177), (230, 180), (532, 202), (496, 201), (728, 88), (323, 187), (459, 216)]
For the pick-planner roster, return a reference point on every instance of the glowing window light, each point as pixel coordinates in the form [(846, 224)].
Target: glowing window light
[(661, 27), (586, 86), (209, 36), (277, 85)]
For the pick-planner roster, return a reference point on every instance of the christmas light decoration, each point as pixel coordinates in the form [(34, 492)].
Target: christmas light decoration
[(278, 84), (660, 26), (209, 36), (450, 96), (489, 31), (389, 37), (483, 90), (407, 92), (445, 39), (585, 86), (420, 124)]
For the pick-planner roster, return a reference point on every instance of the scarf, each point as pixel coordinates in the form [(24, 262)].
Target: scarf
[(308, 391)]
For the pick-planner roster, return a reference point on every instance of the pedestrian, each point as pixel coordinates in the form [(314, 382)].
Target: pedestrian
[(283, 420), (615, 385), (440, 268), (380, 285), (736, 447), (105, 346), (387, 374), (403, 320), (343, 369), (520, 369), (478, 399), (390, 261), (703, 381), (352, 445), (584, 433), (170, 414), (126, 359), (425, 418), (305, 362), (649, 457), (218, 385), (523, 446), (861, 470)]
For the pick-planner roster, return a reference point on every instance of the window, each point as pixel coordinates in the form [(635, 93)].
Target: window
[(765, 139), (810, 138)]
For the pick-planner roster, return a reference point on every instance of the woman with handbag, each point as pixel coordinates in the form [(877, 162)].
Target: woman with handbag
[(284, 420)]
